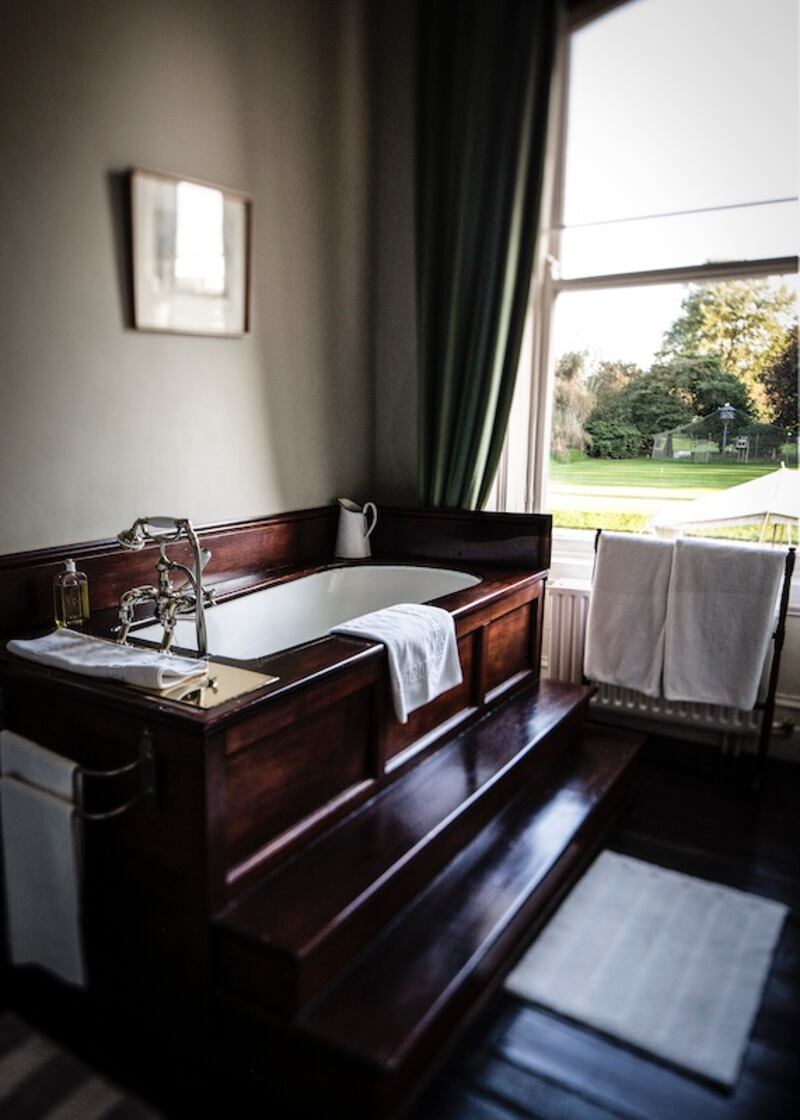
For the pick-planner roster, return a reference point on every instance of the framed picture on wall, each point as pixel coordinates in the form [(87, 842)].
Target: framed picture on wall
[(191, 255)]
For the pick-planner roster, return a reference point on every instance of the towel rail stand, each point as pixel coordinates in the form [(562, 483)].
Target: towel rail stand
[(148, 791), (767, 705), (778, 638), (145, 763)]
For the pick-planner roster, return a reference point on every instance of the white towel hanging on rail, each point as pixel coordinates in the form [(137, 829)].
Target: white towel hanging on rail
[(627, 612), (41, 858), (720, 616)]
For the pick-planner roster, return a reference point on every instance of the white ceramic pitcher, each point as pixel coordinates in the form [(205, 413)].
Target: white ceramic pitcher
[(352, 539)]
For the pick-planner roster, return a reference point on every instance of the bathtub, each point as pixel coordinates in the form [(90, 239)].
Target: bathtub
[(301, 610)]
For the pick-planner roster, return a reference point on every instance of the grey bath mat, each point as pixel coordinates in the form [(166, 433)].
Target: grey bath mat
[(671, 964)]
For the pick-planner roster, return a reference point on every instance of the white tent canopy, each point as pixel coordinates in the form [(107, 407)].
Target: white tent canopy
[(773, 498)]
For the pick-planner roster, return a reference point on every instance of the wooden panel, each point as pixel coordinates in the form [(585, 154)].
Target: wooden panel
[(286, 776), (510, 540), (244, 786), (483, 908), (169, 835), (401, 735), (284, 540), (289, 935), (312, 696), (509, 645)]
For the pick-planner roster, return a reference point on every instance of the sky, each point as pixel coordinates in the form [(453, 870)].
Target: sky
[(675, 105)]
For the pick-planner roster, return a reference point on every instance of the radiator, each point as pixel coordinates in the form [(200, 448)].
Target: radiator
[(565, 630)]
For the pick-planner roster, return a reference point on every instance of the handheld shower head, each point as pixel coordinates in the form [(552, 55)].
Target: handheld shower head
[(146, 529), (132, 538)]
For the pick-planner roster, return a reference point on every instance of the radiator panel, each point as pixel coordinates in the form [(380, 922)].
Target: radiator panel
[(567, 608)]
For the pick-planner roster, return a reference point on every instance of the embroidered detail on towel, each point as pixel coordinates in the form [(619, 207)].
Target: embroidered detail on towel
[(421, 649)]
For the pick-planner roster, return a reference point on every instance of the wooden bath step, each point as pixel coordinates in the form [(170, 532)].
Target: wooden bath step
[(281, 943), (364, 1046)]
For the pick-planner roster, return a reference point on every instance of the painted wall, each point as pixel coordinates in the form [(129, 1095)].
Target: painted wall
[(100, 423), (393, 294)]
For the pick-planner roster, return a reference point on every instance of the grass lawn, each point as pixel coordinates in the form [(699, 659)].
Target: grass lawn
[(623, 494), (654, 474)]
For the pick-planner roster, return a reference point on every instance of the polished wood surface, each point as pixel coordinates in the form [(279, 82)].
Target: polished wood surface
[(468, 906), (510, 645), (310, 915), (292, 772), (147, 873), (498, 591), (296, 824), (287, 789), (253, 552), (440, 958), (691, 812), (239, 549), (516, 540)]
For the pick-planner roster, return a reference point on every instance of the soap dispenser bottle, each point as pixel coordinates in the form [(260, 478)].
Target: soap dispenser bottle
[(70, 597)]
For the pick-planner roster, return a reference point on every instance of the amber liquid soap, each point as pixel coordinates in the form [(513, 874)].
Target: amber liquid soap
[(70, 597)]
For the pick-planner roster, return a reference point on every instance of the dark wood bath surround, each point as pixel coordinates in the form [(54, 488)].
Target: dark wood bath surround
[(317, 892)]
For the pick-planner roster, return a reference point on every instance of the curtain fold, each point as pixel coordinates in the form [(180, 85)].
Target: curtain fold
[(485, 68)]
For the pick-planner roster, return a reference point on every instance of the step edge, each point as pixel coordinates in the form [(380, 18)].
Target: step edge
[(395, 1061), (449, 992), (446, 822), (299, 952)]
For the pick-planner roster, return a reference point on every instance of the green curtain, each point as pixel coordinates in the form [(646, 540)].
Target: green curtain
[(483, 93)]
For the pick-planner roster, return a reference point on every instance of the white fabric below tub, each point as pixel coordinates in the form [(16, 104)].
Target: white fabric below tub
[(668, 963)]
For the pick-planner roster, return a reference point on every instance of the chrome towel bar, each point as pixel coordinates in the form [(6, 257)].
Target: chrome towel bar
[(145, 763)]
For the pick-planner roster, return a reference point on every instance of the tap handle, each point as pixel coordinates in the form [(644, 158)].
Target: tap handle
[(161, 522)]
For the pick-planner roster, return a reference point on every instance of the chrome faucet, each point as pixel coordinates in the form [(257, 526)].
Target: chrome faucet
[(169, 601)]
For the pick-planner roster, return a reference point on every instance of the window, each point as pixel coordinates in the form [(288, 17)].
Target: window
[(667, 285)]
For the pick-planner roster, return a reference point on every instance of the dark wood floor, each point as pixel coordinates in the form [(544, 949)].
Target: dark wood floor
[(691, 812)]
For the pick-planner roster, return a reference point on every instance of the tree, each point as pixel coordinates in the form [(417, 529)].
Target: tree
[(624, 422), (742, 322), (654, 406), (703, 385), (571, 406), (614, 439), (610, 378), (781, 384)]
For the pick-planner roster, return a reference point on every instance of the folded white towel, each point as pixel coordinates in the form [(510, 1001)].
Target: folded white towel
[(421, 646), (94, 657), (25, 760), (720, 617), (41, 858), (627, 612)]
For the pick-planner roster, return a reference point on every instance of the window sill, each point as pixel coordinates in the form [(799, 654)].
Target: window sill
[(572, 554)]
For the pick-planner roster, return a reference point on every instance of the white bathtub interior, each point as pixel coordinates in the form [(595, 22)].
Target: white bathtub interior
[(303, 609)]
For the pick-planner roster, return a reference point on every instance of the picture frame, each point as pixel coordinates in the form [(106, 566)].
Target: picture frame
[(191, 255)]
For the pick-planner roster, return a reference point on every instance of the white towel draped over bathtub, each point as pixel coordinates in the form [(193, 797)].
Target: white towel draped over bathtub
[(41, 858), (95, 657), (421, 646), (720, 616), (627, 612)]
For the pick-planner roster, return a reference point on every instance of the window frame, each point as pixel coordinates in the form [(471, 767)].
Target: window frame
[(573, 548)]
